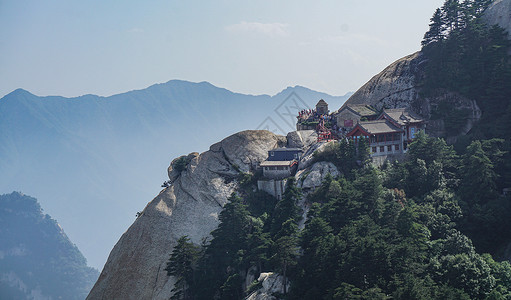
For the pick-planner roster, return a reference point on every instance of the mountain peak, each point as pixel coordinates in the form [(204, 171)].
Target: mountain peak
[(19, 92)]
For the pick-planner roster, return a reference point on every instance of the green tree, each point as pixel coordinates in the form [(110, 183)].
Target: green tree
[(286, 255), (451, 11), (224, 256), (436, 29), (478, 178), (287, 208), (259, 244), (181, 265)]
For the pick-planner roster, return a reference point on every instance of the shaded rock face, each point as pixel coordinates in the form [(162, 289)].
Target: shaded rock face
[(396, 87), (189, 206), (307, 158), (271, 283), (499, 13), (314, 176), (301, 139)]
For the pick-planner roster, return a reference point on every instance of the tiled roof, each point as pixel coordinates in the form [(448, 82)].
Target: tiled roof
[(287, 150), (403, 116), (379, 126), (322, 102), (360, 109), (276, 163)]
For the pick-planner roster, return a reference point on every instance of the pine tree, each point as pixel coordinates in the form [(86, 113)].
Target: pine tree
[(287, 208), (181, 265), (259, 243), (451, 11), (224, 255), (478, 182), (286, 253), (436, 29)]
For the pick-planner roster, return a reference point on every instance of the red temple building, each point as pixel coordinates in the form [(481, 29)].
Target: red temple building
[(391, 133)]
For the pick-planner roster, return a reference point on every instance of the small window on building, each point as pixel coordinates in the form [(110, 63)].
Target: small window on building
[(382, 148), (374, 149), (373, 140), (389, 148), (396, 147)]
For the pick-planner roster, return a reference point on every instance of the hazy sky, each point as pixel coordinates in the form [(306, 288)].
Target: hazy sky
[(71, 48)]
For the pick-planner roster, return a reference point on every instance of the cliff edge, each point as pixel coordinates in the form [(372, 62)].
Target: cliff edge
[(189, 206)]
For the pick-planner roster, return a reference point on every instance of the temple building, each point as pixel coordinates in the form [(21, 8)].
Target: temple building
[(384, 137), (322, 107), (280, 164), (390, 133), (405, 119), (349, 115)]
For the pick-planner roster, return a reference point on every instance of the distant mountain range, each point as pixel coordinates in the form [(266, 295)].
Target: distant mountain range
[(94, 161), (37, 260)]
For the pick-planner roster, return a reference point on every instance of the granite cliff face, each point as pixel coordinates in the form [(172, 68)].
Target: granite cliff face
[(398, 85), (189, 206), (393, 87), (499, 13)]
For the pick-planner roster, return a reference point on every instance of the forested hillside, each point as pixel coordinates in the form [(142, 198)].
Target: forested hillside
[(37, 260), (413, 230), (434, 226), (466, 56)]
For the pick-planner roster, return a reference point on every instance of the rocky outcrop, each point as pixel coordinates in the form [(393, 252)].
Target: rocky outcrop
[(189, 206), (499, 13), (307, 158), (314, 176), (301, 139), (393, 87), (271, 283), (397, 86)]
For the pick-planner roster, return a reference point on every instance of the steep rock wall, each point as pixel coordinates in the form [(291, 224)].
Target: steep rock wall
[(499, 13), (392, 87), (397, 87), (189, 206)]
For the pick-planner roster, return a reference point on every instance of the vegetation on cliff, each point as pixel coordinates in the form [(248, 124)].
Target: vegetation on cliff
[(412, 230), (467, 56), (434, 226)]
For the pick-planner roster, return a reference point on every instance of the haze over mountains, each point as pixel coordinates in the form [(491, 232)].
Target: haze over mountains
[(37, 260), (93, 161)]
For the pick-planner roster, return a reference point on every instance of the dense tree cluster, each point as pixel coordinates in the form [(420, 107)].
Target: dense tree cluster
[(466, 56), (408, 230), (256, 233)]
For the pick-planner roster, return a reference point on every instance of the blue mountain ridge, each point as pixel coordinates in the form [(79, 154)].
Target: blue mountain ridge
[(94, 161)]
